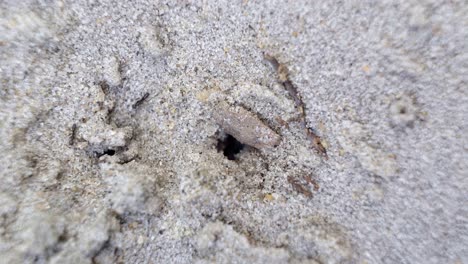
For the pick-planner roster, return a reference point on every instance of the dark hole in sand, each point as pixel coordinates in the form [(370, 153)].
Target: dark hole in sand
[(230, 146), (109, 152)]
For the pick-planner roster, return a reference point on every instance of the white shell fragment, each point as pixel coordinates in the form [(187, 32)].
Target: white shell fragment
[(245, 127)]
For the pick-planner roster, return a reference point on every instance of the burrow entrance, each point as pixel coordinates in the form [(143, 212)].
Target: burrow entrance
[(230, 146)]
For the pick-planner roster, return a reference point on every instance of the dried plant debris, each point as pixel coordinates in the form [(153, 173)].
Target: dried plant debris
[(283, 78), (245, 126)]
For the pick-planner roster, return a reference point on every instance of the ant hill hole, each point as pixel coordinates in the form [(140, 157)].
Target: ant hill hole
[(230, 146), (109, 152), (403, 110)]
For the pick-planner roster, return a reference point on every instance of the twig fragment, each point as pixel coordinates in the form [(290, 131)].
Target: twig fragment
[(283, 78)]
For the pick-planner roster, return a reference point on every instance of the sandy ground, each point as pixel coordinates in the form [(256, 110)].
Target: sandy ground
[(233, 131)]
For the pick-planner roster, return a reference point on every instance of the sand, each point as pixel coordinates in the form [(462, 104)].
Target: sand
[(113, 150)]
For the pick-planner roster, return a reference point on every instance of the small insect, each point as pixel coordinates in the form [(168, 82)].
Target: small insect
[(316, 141), (245, 126), (309, 180), (303, 188), (105, 87), (140, 101), (282, 122), (71, 141), (299, 187)]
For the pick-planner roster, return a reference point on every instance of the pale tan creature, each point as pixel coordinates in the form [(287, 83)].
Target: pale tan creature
[(245, 126)]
